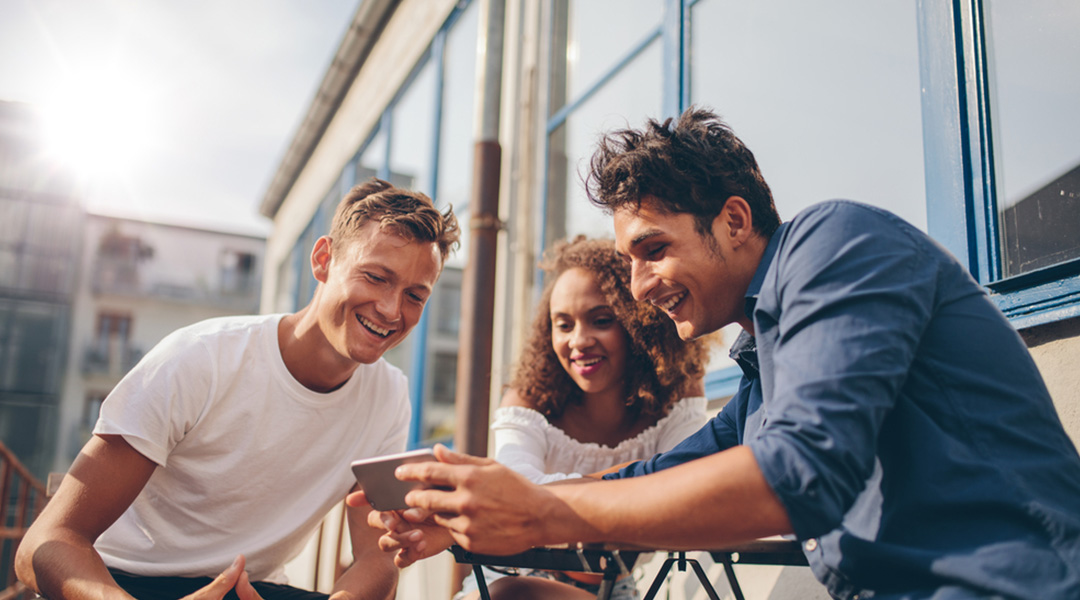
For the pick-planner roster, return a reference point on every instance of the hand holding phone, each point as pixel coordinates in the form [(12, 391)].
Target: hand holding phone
[(384, 491)]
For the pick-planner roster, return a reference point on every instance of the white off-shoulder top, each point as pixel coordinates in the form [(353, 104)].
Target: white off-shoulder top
[(526, 442)]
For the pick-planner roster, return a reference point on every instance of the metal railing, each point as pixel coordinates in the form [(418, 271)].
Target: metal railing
[(22, 496)]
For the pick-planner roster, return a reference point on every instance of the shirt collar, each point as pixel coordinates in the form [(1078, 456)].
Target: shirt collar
[(763, 266), (744, 353)]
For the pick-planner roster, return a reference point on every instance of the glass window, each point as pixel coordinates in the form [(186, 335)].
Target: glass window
[(411, 136), (12, 221), (826, 95), (9, 268), (371, 161), (1033, 52), (305, 279), (457, 138), (285, 299), (24, 421), (446, 308), (31, 351), (622, 102), (589, 53)]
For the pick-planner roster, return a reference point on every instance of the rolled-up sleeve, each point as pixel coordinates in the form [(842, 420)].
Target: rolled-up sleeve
[(838, 321)]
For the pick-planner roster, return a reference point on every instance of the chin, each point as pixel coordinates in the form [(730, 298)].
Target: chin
[(686, 330)]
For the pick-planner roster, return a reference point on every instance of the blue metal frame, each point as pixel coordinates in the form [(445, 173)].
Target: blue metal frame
[(962, 208), (418, 379)]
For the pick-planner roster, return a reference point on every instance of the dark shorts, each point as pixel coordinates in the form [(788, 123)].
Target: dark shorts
[(173, 588)]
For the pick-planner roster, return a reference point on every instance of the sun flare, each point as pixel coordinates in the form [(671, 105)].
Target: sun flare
[(99, 123)]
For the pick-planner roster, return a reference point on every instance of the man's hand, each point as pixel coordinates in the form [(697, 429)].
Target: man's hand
[(411, 535), (486, 506), (235, 577)]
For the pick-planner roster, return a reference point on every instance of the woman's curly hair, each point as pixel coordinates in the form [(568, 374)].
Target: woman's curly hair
[(660, 366)]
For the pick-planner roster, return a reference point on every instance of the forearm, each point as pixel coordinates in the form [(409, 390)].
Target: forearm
[(374, 579), (711, 502), (64, 566)]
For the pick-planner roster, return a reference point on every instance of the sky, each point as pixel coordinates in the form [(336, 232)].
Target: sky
[(174, 111)]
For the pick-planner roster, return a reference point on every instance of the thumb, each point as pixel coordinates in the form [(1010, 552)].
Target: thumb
[(244, 589), (357, 499), (448, 456)]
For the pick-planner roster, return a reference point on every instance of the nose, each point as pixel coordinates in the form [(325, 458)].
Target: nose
[(642, 280), (580, 338), (388, 306)]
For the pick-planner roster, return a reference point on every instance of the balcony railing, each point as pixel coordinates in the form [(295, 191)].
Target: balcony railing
[(123, 278), (114, 358), (22, 496)]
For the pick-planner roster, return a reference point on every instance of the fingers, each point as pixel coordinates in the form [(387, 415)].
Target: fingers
[(415, 515), (357, 500), (216, 589), (389, 521), (244, 589), (446, 455)]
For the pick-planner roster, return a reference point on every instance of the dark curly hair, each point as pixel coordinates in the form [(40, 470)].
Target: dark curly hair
[(660, 366), (690, 165)]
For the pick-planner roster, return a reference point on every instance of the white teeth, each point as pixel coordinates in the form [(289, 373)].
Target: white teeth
[(671, 302), (373, 327), (587, 363)]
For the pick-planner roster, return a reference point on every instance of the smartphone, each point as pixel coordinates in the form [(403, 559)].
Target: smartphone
[(376, 477)]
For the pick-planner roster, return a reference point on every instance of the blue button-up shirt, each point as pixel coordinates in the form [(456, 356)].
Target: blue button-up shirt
[(899, 418)]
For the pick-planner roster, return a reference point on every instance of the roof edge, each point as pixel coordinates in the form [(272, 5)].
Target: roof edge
[(367, 25)]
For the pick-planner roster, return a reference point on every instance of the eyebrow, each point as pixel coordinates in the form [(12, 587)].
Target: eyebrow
[(597, 308), (643, 237)]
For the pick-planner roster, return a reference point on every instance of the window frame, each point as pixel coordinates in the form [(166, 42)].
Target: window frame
[(957, 121), (962, 206)]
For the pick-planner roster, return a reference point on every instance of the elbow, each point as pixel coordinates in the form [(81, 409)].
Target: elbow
[(24, 561), (815, 496)]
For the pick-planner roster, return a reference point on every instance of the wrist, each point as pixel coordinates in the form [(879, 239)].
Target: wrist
[(570, 517)]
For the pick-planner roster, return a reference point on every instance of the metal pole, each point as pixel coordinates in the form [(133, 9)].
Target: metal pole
[(478, 285), (472, 396)]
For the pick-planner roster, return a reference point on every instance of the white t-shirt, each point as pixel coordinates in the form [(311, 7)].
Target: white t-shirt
[(249, 459), (526, 442)]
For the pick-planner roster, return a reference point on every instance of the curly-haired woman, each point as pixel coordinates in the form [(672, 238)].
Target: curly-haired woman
[(602, 380)]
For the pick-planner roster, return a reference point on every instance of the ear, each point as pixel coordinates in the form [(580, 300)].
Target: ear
[(736, 221), (320, 259)]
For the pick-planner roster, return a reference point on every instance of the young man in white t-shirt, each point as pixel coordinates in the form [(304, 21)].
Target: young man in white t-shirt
[(219, 453)]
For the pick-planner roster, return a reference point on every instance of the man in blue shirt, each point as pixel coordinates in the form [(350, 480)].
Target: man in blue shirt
[(889, 415)]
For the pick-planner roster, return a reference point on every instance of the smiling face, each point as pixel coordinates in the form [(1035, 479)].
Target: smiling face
[(699, 281), (591, 344), (373, 290)]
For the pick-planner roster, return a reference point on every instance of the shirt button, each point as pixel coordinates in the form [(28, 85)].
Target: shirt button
[(811, 545)]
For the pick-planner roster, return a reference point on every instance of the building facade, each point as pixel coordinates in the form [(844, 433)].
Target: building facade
[(140, 281), (40, 235), (956, 115)]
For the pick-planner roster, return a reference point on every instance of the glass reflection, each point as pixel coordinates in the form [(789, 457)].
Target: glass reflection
[(825, 93), (456, 140), (412, 133), (1033, 51), (595, 35), (623, 102)]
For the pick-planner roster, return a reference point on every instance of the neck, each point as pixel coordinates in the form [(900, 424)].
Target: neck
[(755, 248), (601, 418), (310, 358)]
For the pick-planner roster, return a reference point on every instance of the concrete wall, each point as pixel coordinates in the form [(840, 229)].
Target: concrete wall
[(1056, 350)]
